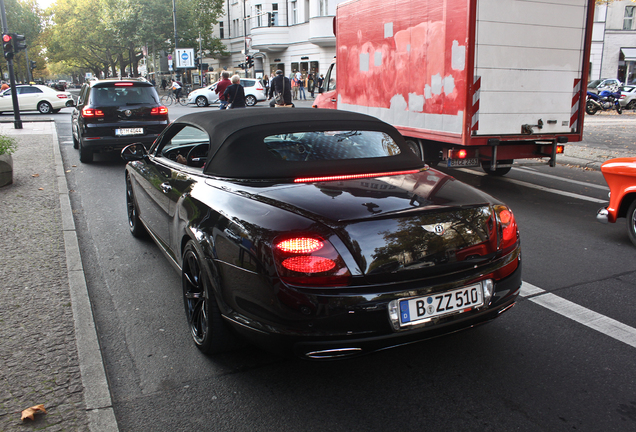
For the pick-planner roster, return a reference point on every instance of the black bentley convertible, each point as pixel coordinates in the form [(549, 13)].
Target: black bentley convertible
[(318, 232)]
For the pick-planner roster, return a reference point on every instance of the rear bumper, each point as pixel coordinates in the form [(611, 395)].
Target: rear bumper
[(356, 329)]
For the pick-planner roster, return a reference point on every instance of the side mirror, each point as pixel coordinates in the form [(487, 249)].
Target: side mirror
[(134, 152)]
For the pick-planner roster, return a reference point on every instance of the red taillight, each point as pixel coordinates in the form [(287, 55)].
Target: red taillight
[(560, 149), (507, 226), (62, 96), (92, 112), (458, 154), (159, 110), (310, 261)]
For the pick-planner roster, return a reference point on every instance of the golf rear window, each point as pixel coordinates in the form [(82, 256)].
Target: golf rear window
[(331, 145), (123, 96)]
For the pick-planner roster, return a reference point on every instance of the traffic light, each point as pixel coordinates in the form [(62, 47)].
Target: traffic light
[(241, 65), (19, 42), (33, 65), (249, 61), (7, 45), (197, 61), (270, 19)]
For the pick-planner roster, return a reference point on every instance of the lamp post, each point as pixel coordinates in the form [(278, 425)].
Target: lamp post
[(174, 21)]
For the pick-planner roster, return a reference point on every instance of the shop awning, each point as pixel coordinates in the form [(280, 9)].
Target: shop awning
[(629, 54)]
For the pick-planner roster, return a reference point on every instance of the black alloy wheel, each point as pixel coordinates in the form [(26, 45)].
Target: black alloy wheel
[(44, 107), (201, 101), (498, 172), (631, 222), (210, 334), (591, 108), (631, 105), (250, 100), (134, 223)]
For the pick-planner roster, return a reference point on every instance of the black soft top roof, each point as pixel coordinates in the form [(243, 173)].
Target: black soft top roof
[(237, 149)]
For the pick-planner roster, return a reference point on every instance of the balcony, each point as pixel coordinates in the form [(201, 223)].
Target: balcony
[(272, 39), (321, 31)]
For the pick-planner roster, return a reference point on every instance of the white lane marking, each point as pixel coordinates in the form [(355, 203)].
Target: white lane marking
[(577, 182), (587, 317), (541, 188)]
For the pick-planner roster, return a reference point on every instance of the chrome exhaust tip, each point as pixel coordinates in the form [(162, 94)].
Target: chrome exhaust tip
[(333, 353), (602, 215)]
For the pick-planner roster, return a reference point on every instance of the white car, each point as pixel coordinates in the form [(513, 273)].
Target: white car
[(254, 92), (36, 98), (628, 97)]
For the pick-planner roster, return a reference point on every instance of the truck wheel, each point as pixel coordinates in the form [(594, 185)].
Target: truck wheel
[(631, 222), (590, 108), (498, 172)]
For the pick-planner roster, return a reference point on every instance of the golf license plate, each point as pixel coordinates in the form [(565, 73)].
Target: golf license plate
[(419, 309), (469, 162), (129, 131)]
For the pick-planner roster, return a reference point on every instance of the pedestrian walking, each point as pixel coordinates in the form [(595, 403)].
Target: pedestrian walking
[(301, 90), (235, 94), (221, 86), (295, 85), (311, 84), (280, 90)]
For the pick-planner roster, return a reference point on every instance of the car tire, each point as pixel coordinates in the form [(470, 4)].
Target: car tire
[(75, 143), (85, 155), (45, 108), (414, 147), (631, 105), (631, 222), (498, 172), (201, 101), (250, 100), (134, 223), (207, 328)]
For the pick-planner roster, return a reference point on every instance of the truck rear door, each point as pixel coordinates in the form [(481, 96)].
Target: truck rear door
[(529, 61)]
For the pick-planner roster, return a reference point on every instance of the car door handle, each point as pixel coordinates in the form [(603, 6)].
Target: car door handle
[(165, 187)]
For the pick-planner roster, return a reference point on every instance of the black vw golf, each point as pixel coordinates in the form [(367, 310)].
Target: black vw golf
[(318, 232)]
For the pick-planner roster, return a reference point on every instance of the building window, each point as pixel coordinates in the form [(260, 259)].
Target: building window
[(323, 8), (628, 20), (235, 27), (275, 14), (294, 12), (258, 9), (221, 30)]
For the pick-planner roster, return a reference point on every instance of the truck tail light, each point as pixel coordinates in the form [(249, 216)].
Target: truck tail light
[(92, 112), (560, 149), (460, 154), (309, 260)]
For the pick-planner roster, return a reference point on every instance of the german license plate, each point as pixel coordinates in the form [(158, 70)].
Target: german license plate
[(129, 131), (470, 162), (420, 309)]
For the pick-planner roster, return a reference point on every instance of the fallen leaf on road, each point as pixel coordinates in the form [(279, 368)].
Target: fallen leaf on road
[(29, 413), (35, 175), (40, 188)]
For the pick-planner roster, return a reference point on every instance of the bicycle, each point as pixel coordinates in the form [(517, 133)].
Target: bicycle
[(169, 99)]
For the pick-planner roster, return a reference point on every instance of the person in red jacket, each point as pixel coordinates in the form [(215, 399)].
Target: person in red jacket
[(220, 88)]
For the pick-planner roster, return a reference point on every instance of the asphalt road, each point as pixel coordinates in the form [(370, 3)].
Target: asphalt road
[(543, 366)]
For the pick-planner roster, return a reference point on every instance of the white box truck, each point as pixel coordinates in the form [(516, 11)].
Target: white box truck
[(468, 82)]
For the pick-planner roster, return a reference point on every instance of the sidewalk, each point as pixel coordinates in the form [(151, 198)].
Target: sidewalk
[(49, 352)]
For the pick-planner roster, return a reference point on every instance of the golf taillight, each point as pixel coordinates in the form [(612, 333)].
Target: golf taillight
[(159, 110), (507, 226), (92, 112), (309, 261)]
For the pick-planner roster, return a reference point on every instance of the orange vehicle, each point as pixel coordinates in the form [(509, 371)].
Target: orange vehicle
[(620, 175), (466, 82)]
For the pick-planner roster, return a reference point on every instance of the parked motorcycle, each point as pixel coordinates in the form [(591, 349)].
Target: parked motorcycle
[(605, 100)]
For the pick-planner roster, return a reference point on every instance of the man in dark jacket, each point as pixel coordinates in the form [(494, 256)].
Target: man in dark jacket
[(280, 85)]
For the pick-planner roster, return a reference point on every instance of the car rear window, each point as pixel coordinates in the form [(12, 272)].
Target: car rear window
[(331, 145), (123, 95)]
